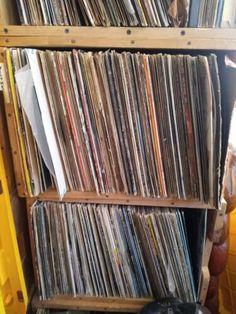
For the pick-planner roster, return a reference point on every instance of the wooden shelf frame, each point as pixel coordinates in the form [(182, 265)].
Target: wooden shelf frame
[(121, 199), (119, 37), (124, 305)]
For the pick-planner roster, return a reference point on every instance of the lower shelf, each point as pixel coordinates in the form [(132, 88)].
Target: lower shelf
[(123, 305)]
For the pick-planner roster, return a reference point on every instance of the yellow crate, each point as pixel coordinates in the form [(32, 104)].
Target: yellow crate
[(13, 294)]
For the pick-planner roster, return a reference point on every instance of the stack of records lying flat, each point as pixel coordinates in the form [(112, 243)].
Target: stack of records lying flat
[(116, 251), (109, 122)]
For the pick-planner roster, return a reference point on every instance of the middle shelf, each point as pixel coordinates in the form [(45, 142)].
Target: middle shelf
[(116, 123), (121, 199)]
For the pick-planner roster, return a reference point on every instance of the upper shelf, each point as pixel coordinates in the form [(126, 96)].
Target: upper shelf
[(118, 37)]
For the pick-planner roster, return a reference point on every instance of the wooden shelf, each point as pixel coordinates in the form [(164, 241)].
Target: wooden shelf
[(122, 199), (92, 303), (118, 37)]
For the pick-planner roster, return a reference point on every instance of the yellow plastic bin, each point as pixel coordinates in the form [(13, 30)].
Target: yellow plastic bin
[(13, 294)]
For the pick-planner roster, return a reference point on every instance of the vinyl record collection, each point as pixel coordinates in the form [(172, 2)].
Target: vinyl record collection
[(152, 13), (109, 122), (112, 251), (205, 13), (96, 13)]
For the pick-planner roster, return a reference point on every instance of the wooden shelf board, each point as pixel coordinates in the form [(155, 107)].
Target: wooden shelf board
[(92, 303), (118, 37), (123, 199)]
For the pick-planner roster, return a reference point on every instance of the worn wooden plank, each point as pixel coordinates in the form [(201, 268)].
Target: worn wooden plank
[(92, 197), (4, 137), (121, 305), (13, 135), (118, 37)]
